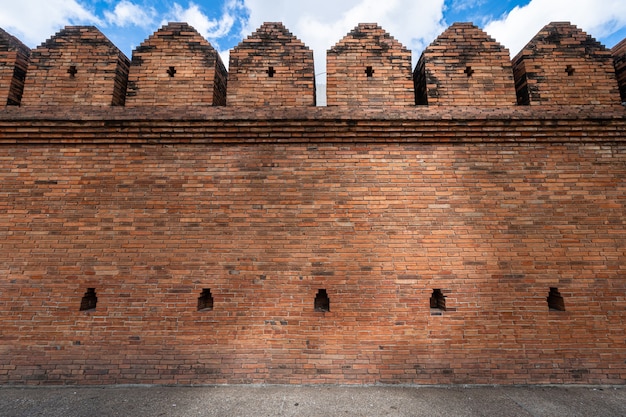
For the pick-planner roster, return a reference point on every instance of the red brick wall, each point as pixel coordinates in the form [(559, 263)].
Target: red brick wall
[(369, 67), (14, 56), (465, 67), (271, 67), (78, 66), (619, 59), (264, 208), (176, 66), (562, 65)]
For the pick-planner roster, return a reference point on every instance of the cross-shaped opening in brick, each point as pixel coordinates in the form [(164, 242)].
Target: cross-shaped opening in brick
[(270, 72), (468, 71), (171, 71), (369, 71), (570, 70), (72, 71)]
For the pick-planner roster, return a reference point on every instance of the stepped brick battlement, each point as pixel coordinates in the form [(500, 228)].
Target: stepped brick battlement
[(14, 56), (561, 65), (465, 67), (271, 68), (78, 66), (619, 57), (369, 68), (167, 222), (176, 66)]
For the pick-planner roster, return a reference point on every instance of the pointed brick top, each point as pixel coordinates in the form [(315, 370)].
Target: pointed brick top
[(9, 42), (459, 35), (565, 37), (375, 35), (271, 33), (90, 35), (175, 32)]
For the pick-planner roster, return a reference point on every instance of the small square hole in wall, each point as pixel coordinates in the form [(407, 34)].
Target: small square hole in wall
[(89, 300), (322, 302), (205, 301), (555, 300), (437, 302)]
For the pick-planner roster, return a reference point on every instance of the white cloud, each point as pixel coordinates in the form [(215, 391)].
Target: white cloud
[(127, 13), (597, 18), (323, 23), (209, 28), (34, 21)]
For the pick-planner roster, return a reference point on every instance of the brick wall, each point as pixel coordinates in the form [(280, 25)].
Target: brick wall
[(271, 67), (77, 66), (369, 67), (284, 244), (562, 65), (176, 66), (464, 66), (619, 59), (492, 208), (14, 56)]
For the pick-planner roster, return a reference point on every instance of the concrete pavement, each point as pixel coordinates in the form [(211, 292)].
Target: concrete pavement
[(313, 401)]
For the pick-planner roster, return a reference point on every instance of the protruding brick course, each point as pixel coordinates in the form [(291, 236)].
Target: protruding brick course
[(562, 65), (619, 58), (77, 66), (14, 56), (464, 66), (271, 68), (176, 66), (369, 67)]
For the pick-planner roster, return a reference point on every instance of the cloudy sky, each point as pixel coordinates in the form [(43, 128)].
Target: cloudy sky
[(319, 23)]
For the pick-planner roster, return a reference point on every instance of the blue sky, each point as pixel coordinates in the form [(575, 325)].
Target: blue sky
[(320, 23)]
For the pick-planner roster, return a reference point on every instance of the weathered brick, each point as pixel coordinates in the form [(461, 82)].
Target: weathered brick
[(176, 66), (14, 57), (368, 67), (619, 59), (562, 65), (465, 67), (271, 67), (77, 66)]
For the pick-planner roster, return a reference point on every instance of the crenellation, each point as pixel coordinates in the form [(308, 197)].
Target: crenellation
[(619, 60), (271, 67), (464, 67), (368, 67), (172, 239), (77, 66), (14, 58), (562, 65), (176, 66)]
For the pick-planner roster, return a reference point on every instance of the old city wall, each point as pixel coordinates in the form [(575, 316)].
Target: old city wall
[(259, 243)]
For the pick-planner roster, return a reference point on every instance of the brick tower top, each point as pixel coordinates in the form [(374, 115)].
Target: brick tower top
[(464, 66), (14, 56), (369, 67), (77, 66), (562, 65), (271, 67), (619, 57), (176, 66)]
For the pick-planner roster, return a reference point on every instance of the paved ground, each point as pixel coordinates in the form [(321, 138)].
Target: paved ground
[(314, 401)]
